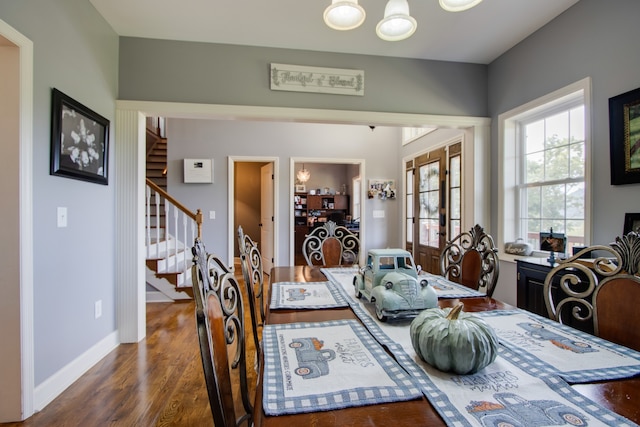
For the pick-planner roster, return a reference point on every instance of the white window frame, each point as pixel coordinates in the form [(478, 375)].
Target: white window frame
[(508, 178)]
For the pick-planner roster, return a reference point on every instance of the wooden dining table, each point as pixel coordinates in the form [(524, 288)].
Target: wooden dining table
[(620, 396)]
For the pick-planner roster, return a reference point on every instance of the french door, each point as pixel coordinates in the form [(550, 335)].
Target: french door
[(433, 198)]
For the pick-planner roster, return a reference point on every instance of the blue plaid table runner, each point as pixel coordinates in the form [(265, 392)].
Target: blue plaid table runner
[(444, 288), (576, 356), (328, 365), (307, 295), (518, 388)]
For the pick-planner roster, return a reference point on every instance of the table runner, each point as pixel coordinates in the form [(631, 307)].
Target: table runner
[(444, 288), (576, 356), (307, 295), (515, 380), (339, 358)]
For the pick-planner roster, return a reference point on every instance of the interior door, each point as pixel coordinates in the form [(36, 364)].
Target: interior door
[(430, 209), (266, 216)]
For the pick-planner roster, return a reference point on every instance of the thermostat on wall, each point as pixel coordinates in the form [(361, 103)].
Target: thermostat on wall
[(198, 170)]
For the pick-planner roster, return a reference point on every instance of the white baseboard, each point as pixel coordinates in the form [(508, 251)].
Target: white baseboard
[(53, 386)]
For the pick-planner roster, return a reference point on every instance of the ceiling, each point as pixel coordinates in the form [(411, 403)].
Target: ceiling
[(478, 35)]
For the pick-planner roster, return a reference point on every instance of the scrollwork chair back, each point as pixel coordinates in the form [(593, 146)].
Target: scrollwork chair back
[(253, 274), (331, 244), (599, 295), (471, 259), (220, 327)]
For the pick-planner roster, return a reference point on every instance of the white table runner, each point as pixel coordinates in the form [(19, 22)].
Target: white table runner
[(328, 365), (576, 356), (444, 288), (307, 295)]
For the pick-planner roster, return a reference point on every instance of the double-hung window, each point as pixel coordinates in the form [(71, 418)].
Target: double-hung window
[(545, 174)]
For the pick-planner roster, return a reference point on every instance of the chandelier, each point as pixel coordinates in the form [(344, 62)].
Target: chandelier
[(396, 24), (303, 175)]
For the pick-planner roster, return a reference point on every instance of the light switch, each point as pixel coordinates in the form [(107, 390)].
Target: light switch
[(212, 214), (62, 217), (378, 214)]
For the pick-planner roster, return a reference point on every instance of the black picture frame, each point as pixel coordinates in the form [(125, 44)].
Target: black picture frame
[(79, 141), (553, 242), (624, 137), (631, 222)]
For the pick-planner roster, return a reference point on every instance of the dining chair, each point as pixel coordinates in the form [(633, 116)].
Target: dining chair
[(471, 259), (599, 294), (331, 244), (220, 327), (253, 274)]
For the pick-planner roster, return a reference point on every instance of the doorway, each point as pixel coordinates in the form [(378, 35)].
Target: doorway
[(252, 204), (433, 200), (327, 176)]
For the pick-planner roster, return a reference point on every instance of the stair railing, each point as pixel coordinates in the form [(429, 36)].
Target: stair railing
[(180, 224)]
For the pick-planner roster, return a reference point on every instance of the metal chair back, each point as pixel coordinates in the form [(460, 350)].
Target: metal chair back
[(220, 327), (471, 259), (599, 295), (331, 244)]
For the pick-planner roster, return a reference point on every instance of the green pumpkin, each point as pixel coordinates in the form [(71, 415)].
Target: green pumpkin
[(453, 341)]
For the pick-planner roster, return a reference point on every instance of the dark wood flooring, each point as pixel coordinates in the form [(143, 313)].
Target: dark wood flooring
[(156, 382)]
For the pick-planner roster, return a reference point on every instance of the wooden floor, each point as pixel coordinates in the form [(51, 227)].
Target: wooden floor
[(157, 382)]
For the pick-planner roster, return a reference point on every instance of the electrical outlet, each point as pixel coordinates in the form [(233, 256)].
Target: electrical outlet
[(98, 309), (212, 214)]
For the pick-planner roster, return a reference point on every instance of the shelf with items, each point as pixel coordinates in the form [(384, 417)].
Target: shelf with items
[(300, 209)]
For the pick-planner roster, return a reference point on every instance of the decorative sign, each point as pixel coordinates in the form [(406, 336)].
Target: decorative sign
[(198, 170), (297, 78)]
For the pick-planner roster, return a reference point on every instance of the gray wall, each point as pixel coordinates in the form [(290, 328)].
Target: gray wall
[(160, 70), (76, 52), (219, 139), (593, 38)]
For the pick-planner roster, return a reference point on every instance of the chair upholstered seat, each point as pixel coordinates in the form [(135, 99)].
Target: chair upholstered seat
[(600, 296), (331, 244)]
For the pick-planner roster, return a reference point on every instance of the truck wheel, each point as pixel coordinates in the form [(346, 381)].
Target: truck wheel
[(381, 317), (573, 419), (303, 371)]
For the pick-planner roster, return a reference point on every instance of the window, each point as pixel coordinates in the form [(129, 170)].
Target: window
[(545, 174)]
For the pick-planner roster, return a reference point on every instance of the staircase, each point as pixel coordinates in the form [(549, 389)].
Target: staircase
[(170, 227)]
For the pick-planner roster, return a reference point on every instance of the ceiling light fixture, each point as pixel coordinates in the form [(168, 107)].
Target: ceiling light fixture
[(397, 24), (303, 175), (344, 15), (458, 5)]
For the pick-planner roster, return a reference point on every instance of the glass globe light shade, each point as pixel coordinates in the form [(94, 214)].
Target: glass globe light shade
[(397, 24), (458, 5), (303, 175), (344, 14)]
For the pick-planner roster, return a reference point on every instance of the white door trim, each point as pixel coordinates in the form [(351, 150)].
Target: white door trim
[(24, 328), (230, 204), (310, 160)]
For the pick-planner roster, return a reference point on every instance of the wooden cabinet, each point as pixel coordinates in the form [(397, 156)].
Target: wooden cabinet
[(531, 275), (328, 207)]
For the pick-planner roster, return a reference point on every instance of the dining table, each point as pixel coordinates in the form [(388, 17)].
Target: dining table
[(620, 396)]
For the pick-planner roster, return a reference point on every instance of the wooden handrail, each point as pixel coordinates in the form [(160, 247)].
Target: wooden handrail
[(197, 216)]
